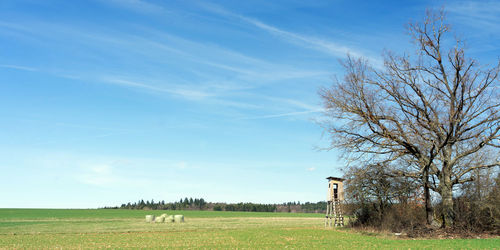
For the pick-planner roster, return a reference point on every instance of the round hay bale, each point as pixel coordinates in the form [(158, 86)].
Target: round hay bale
[(179, 218), (150, 218), (164, 215), (170, 218), (160, 219)]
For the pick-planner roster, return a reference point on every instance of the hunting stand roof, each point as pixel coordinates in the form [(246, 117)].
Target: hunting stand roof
[(335, 178)]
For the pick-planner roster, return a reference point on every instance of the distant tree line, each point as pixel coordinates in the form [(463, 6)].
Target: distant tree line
[(201, 204), (183, 204)]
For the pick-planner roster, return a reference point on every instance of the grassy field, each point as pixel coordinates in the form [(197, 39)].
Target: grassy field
[(98, 228)]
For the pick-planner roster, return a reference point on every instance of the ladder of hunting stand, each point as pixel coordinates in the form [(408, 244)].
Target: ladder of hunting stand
[(334, 212)]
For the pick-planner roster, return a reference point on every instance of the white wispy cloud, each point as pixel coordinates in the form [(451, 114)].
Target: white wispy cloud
[(181, 164), (106, 175), (246, 69), (311, 42), (136, 5), (215, 56), (284, 105), (293, 102), (220, 75), (11, 25), (74, 125), (480, 14), (174, 90), (280, 115), (81, 138), (18, 67)]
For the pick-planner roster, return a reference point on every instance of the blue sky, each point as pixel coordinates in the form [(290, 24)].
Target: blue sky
[(110, 101)]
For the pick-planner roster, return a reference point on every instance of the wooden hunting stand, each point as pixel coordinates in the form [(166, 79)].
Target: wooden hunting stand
[(334, 202)]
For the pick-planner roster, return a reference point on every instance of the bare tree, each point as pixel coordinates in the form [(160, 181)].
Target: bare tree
[(435, 109), (374, 184)]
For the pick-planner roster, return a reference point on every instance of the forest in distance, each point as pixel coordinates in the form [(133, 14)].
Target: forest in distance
[(201, 204)]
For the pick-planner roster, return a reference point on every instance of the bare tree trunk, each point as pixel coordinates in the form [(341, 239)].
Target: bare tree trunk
[(429, 212), (446, 191), (478, 184)]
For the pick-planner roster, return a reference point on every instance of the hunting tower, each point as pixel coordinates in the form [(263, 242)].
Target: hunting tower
[(334, 202)]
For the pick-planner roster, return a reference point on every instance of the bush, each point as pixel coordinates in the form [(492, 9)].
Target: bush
[(475, 216), (396, 218)]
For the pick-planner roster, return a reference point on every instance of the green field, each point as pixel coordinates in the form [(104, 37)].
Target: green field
[(99, 228)]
